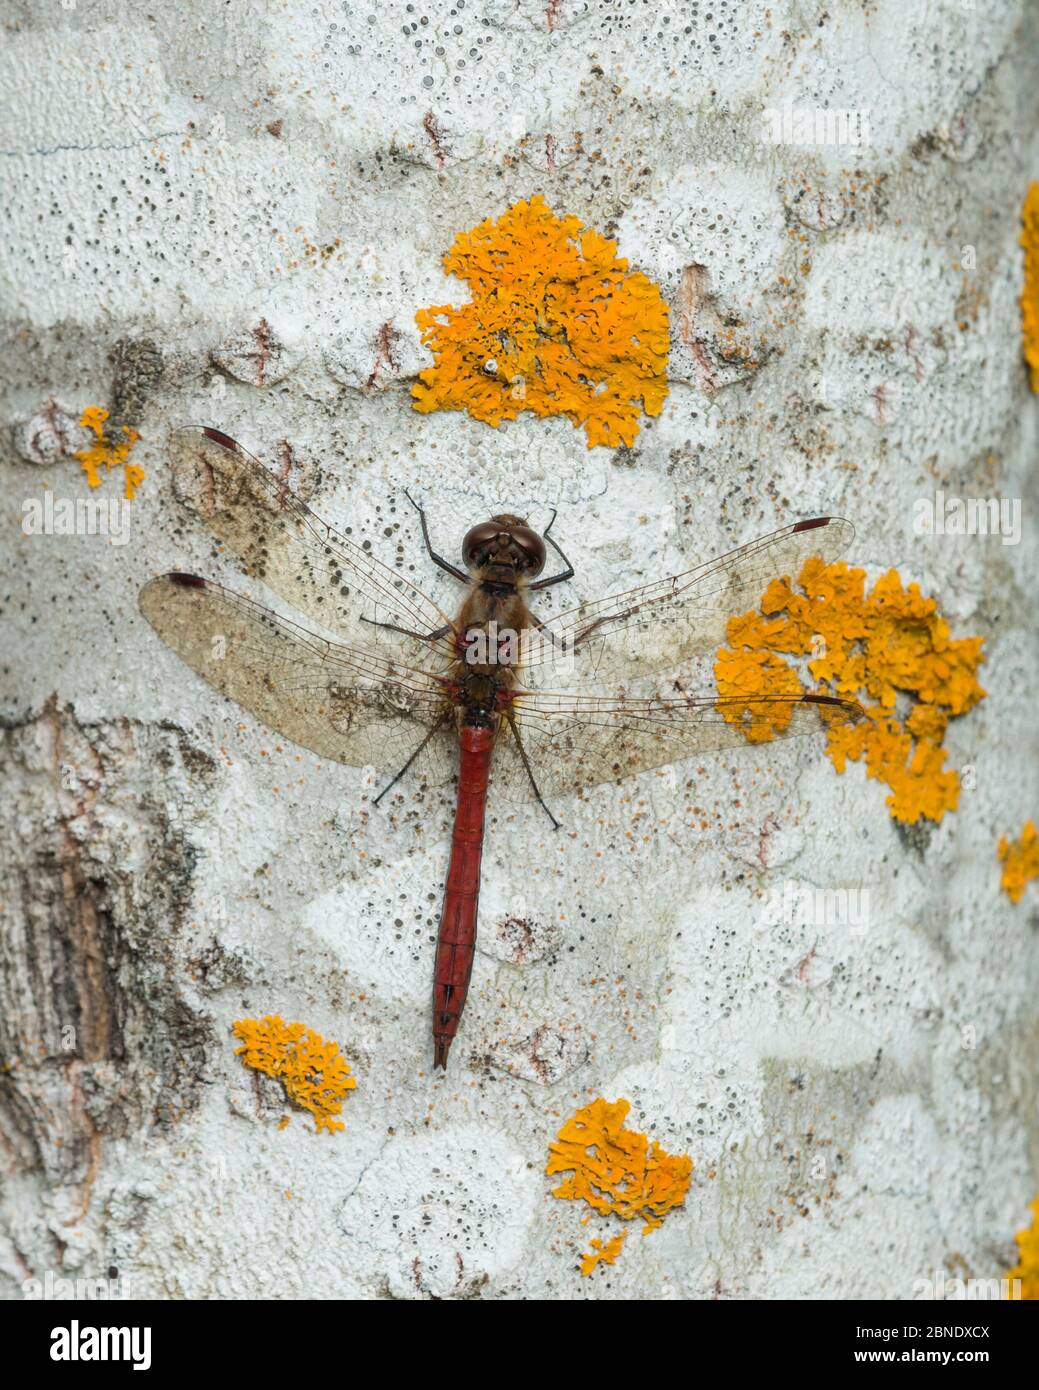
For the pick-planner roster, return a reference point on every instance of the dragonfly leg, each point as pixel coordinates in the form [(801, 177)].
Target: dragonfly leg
[(530, 771), (419, 636), (437, 559), (434, 730), (553, 637), (568, 573)]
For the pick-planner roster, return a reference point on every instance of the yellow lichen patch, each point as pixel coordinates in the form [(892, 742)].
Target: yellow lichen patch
[(617, 1171), (1030, 291), (749, 672), (108, 453), (557, 325), (313, 1073), (890, 648), (1027, 1267), (1020, 860), (602, 1254)]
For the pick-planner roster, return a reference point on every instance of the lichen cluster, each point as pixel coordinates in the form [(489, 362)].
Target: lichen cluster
[(557, 325), (889, 648), (602, 1253), (108, 453), (617, 1172), (1027, 1267), (1030, 289), (314, 1075), (1020, 860)]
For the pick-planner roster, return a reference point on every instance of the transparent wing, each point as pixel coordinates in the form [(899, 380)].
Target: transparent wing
[(660, 625), (350, 705), (322, 573), (578, 741)]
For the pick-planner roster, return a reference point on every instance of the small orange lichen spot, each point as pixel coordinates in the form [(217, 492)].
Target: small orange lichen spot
[(876, 647), (104, 452), (1020, 860), (557, 325), (617, 1171), (313, 1073), (1027, 1267), (602, 1254), (1030, 290)]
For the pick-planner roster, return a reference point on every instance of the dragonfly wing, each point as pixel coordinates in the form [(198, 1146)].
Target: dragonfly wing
[(353, 706), (660, 625), (314, 568), (578, 741)]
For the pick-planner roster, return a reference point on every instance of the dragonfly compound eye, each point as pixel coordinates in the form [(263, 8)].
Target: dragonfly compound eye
[(531, 546), (477, 540)]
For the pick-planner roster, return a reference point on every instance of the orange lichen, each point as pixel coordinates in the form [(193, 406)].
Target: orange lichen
[(602, 1254), (1027, 1267), (617, 1171), (885, 648), (108, 453), (313, 1073), (558, 325), (742, 671), (1020, 860), (1030, 290)]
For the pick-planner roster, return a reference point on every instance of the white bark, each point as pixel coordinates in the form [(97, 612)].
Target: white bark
[(171, 178)]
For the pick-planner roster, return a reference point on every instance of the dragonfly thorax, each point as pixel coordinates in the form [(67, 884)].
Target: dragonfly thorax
[(482, 696)]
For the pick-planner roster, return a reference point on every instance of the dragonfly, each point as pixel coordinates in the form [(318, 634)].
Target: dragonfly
[(418, 692)]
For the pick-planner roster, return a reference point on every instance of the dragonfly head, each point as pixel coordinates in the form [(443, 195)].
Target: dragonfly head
[(505, 543)]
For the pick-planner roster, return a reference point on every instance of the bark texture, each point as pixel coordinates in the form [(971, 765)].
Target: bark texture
[(229, 215)]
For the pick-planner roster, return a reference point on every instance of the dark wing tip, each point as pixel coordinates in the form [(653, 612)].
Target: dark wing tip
[(851, 708), (812, 523), (219, 437), (186, 581)]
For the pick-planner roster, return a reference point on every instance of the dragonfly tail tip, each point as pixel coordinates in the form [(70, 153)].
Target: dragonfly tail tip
[(440, 1050)]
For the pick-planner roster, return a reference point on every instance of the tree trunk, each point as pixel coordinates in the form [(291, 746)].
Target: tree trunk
[(217, 220)]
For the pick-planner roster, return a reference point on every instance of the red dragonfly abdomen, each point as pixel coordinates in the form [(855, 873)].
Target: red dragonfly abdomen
[(456, 943)]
